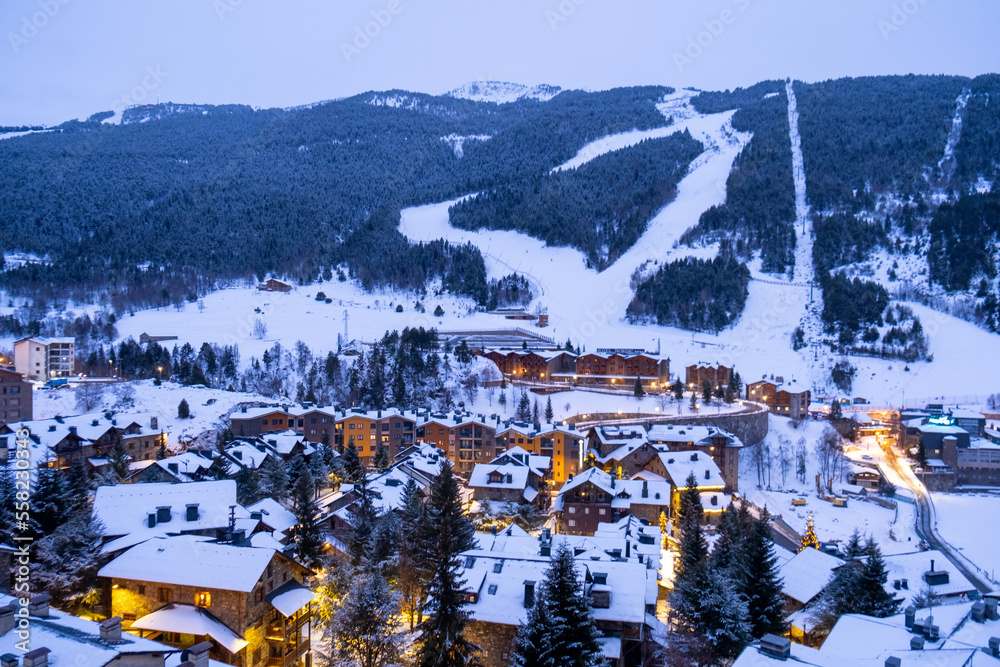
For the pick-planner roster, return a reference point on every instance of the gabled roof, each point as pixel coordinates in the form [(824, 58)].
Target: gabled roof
[(520, 456), (679, 465), (624, 492), (187, 560), (807, 573), (191, 620), (274, 514), (517, 474)]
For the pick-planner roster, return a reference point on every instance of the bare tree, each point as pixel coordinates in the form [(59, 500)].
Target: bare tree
[(831, 459), (800, 460), (259, 329), (784, 463), (89, 396)]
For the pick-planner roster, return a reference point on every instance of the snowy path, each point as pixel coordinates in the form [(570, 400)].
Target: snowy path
[(947, 164)]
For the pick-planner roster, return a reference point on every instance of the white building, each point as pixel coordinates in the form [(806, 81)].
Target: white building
[(45, 358)]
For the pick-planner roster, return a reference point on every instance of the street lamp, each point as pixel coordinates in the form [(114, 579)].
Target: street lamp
[(159, 370)]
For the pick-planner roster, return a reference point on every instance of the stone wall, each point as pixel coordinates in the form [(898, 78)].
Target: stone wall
[(938, 481), (749, 424), (495, 640)]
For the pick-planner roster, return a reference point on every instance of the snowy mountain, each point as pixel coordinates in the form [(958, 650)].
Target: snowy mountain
[(502, 92)]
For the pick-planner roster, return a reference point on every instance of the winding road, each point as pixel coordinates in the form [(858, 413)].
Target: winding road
[(927, 519)]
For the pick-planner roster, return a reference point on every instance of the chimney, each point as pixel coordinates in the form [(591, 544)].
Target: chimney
[(529, 594), (995, 647), (72, 429), (239, 537), (932, 564), (892, 661), (628, 549), (708, 474), (6, 620), (38, 606), (192, 512), (991, 609), (979, 612), (910, 616), (151, 520), (163, 514), (776, 647), (916, 643), (645, 489), (8, 660), (111, 629), (37, 658), (198, 654), (154, 423)]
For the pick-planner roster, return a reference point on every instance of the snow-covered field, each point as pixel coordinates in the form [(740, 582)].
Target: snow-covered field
[(893, 529), (968, 522)]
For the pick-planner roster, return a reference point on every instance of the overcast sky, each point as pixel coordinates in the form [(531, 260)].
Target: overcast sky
[(70, 58)]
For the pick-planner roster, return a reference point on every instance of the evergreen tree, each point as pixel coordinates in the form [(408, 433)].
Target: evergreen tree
[(353, 470), (637, 390), (757, 579), (161, 452), (183, 410), (706, 391), (871, 598), (50, 501), (273, 479), (560, 630), (678, 389), (412, 566), (118, 461), (363, 624), (381, 459), (364, 516), (549, 414), (523, 412), (693, 550), (8, 506), (308, 544), (79, 486), (534, 412), (66, 562), (706, 603), (247, 486), (442, 641), (810, 539)]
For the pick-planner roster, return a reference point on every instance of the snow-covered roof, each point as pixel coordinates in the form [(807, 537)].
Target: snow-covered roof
[(670, 433), (965, 413), (624, 492), (124, 509), (530, 430), (274, 514), (807, 573), (191, 620), (504, 604), (539, 464), (187, 560), (681, 465), (290, 597), (283, 443), (511, 476), (74, 641), (612, 434), (89, 427), (185, 467), (912, 566), (246, 455)]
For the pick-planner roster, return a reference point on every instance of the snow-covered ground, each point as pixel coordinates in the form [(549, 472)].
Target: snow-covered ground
[(893, 529), (967, 521), (613, 142)]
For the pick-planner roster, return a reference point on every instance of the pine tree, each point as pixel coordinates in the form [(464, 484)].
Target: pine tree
[(308, 544), (706, 391), (871, 597), (118, 461), (693, 550), (810, 539), (534, 411), (363, 624), (353, 470), (678, 389), (364, 516), (247, 486), (79, 486), (637, 390), (560, 630), (706, 603), (442, 641), (66, 562), (523, 407), (183, 409), (549, 414), (50, 501), (757, 579), (381, 459), (273, 479), (412, 563)]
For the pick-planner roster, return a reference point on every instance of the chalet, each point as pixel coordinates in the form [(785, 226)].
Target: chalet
[(865, 476), (540, 465), (513, 483), (191, 466), (717, 375), (274, 518), (90, 437), (135, 513), (785, 399), (803, 578), (15, 397), (274, 285), (58, 638), (723, 447), (253, 422), (249, 603), (594, 497), (562, 443), (676, 468), (501, 589)]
